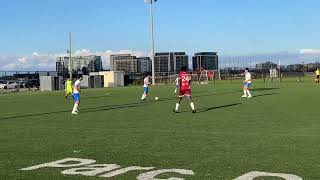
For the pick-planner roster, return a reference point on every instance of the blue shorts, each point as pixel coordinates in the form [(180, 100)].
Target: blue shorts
[(76, 97), (247, 85), (177, 86), (145, 90)]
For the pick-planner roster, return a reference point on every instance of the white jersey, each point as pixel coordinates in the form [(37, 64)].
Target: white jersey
[(146, 82), (177, 81), (248, 77), (76, 86)]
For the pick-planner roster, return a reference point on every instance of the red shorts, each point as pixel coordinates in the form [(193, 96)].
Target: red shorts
[(184, 92)]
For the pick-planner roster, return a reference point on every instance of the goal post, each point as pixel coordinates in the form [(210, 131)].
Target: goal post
[(204, 76)]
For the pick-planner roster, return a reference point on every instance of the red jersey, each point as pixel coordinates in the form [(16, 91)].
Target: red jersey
[(184, 80)]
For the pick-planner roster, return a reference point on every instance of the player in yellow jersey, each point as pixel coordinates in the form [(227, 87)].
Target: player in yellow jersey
[(68, 86), (317, 76)]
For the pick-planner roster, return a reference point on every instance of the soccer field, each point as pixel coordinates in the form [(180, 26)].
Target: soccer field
[(276, 131)]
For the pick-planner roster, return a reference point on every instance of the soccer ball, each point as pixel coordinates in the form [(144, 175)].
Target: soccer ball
[(156, 98)]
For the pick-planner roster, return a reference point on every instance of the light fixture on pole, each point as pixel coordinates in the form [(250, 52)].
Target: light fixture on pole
[(151, 2)]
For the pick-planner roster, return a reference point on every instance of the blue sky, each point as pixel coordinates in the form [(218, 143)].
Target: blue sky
[(230, 27)]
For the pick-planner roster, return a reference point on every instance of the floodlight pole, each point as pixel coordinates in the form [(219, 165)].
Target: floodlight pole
[(151, 2), (280, 78), (70, 57)]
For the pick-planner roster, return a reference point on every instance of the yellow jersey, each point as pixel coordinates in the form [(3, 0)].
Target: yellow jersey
[(69, 86)]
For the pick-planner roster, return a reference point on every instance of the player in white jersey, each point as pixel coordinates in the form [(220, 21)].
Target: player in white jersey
[(177, 85), (76, 95), (247, 84), (145, 87)]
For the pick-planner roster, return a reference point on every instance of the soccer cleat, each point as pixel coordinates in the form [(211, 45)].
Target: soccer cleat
[(175, 111), (194, 111), (244, 96), (74, 113), (249, 97)]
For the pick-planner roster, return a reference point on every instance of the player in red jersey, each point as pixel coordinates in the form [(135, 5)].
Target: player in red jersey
[(184, 91)]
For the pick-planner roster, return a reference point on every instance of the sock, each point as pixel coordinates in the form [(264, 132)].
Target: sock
[(244, 92), (177, 106), (143, 97), (192, 106), (75, 107), (248, 92), (175, 91)]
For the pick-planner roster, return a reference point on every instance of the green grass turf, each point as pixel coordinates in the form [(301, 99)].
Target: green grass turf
[(276, 131)]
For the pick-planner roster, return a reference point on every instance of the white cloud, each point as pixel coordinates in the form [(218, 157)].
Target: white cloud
[(10, 66), (47, 62), (82, 52), (27, 63), (22, 59), (35, 54), (310, 51)]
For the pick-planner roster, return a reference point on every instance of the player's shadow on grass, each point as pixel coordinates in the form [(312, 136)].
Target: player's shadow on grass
[(94, 97), (143, 103), (217, 94), (108, 108), (269, 94), (84, 110), (131, 105), (32, 115), (201, 94), (264, 89), (217, 107)]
